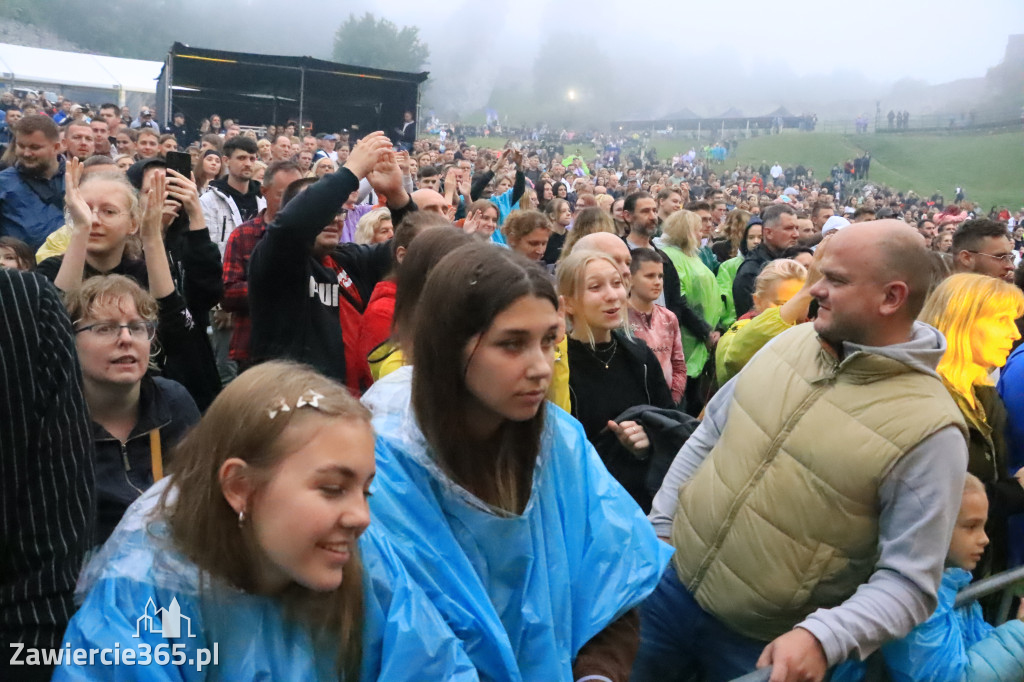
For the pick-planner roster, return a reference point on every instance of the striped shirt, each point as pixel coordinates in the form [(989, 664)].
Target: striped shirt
[(46, 467)]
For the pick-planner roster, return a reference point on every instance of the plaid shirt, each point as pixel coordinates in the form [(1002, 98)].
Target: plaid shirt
[(240, 245)]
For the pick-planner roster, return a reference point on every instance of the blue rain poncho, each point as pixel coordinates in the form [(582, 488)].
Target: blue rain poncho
[(954, 645), (404, 637), (524, 593)]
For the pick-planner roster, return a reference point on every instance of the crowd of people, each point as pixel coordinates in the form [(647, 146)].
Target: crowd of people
[(408, 409)]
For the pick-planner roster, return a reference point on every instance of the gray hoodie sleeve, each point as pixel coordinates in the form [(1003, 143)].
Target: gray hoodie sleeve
[(689, 459), (920, 500)]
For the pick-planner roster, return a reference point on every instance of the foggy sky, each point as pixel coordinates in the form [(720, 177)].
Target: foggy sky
[(657, 57), (932, 40)]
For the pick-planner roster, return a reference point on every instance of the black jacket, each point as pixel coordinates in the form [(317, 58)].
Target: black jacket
[(746, 276), (124, 470), (294, 299), (668, 431), (634, 377)]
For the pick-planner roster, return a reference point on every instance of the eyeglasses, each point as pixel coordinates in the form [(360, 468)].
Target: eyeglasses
[(139, 329), (1006, 257), (106, 214)]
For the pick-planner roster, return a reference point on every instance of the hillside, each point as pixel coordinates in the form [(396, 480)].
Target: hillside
[(989, 166)]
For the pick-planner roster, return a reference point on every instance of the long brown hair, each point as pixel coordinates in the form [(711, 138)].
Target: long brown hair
[(205, 527), (464, 293)]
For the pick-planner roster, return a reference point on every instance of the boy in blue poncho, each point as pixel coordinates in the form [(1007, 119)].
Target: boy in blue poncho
[(956, 644)]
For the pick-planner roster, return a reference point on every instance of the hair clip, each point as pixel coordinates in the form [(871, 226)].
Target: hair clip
[(280, 407), (310, 398)]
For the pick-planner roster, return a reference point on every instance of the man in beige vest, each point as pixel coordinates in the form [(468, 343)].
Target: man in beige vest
[(812, 509)]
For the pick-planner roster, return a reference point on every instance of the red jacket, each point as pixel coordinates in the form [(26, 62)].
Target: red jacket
[(376, 324)]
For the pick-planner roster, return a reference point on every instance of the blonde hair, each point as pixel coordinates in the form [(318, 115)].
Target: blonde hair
[(368, 225), (735, 222), (121, 180), (682, 230), (572, 275), (973, 484), (205, 527), (954, 308), (776, 271), (588, 221), (103, 290)]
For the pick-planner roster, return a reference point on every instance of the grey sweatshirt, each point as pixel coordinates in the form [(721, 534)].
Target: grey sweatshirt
[(920, 500)]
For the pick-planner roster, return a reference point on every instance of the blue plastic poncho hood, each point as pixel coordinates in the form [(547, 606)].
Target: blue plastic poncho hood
[(404, 638), (524, 593)]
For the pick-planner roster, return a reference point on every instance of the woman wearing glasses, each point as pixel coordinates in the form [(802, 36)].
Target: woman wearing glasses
[(136, 418)]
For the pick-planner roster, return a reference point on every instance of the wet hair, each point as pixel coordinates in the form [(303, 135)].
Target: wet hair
[(734, 228), (463, 295), (205, 527), (521, 223), (103, 290), (425, 249)]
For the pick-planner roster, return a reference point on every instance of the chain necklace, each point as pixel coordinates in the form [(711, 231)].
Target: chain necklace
[(606, 363)]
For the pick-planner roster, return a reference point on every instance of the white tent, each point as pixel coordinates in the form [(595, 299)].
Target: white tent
[(35, 66)]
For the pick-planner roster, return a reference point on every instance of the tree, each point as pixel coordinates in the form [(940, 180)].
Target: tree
[(380, 44)]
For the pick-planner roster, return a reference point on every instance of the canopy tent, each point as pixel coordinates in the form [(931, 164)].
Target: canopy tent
[(256, 89), (31, 66)]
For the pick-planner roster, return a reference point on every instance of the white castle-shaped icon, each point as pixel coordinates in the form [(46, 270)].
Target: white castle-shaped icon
[(162, 621)]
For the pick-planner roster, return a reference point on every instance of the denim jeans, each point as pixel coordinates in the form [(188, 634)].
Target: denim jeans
[(680, 641)]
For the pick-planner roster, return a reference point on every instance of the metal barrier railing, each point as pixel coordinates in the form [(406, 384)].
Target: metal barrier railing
[(1001, 582)]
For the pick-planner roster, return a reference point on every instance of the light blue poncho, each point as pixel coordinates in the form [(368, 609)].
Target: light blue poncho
[(523, 593), (404, 637)]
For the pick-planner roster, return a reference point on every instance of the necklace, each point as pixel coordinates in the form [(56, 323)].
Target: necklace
[(603, 361)]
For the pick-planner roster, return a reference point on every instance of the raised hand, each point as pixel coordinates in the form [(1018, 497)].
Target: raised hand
[(365, 155), (185, 192), (81, 214), (154, 194), (386, 178)]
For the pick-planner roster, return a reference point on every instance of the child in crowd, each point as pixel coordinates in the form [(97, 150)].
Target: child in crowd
[(257, 540), (16, 255), (956, 644), (656, 324)]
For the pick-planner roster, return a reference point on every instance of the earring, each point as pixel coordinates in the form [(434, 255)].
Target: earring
[(241, 518)]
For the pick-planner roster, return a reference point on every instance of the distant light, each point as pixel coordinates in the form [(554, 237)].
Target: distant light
[(571, 94)]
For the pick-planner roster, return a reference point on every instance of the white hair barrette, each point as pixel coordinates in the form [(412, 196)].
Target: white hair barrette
[(308, 399)]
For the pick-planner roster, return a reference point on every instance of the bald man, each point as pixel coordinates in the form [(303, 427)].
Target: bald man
[(612, 246), (820, 488), (430, 200)]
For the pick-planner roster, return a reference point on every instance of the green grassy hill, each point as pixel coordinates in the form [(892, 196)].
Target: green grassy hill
[(989, 166)]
